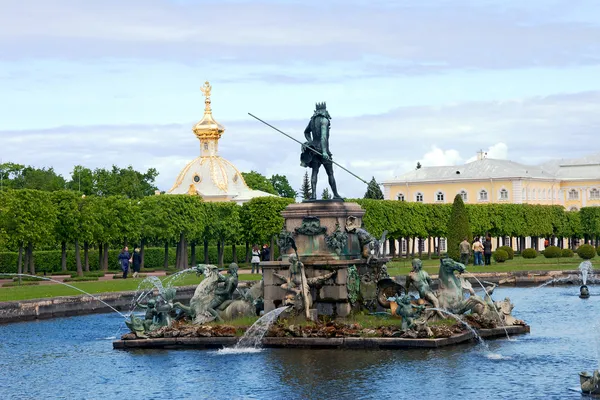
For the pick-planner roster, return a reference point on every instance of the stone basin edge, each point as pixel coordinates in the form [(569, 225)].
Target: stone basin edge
[(359, 343)]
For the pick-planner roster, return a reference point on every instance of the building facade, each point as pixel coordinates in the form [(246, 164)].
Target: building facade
[(573, 184), (211, 176)]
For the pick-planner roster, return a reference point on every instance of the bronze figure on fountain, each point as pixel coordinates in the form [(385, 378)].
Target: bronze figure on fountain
[(315, 151)]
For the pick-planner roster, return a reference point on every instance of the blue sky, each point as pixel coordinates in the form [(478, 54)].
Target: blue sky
[(117, 82)]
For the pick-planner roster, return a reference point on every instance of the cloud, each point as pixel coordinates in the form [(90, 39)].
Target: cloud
[(535, 130), (498, 151), (409, 38)]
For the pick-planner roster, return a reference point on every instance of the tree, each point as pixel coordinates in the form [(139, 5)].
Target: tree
[(306, 188), (282, 186), (122, 182), (258, 181), (326, 195), (373, 191), (82, 180), (418, 165), (17, 176), (66, 203), (458, 227)]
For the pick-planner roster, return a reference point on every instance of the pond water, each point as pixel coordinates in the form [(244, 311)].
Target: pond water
[(73, 358)]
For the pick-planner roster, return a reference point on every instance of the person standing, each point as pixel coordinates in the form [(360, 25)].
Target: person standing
[(266, 253), (124, 260), (137, 262), (255, 260), (487, 250), (465, 251), (477, 252)]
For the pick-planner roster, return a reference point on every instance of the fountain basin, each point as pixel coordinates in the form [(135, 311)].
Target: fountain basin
[(373, 343)]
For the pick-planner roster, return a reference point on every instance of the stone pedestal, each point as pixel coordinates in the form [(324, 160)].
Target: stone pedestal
[(310, 223), (329, 215)]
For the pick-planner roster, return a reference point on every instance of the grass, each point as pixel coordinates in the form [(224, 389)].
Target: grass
[(541, 263), (372, 321), (24, 292)]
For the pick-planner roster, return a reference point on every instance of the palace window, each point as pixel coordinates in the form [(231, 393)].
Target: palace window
[(594, 194), (549, 194), (442, 245), (503, 194), (421, 245), (533, 194), (439, 196), (400, 197), (573, 209), (419, 197), (483, 195), (463, 194), (524, 194), (543, 195), (573, 194), (403, 245)]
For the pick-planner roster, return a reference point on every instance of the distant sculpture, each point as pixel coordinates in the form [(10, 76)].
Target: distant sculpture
[(157, 315), (422, 282), (370, 246), (297, 286), (402, 307), (318, 126), (450, 293), (590, 383), (337, 241), (584, 292)]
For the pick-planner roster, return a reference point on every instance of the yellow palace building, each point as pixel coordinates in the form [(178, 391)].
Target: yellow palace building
[(572, 183)]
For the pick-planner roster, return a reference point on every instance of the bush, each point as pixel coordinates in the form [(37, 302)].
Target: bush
[(500, 255), (27, 279), (120, 276), (458, 228), (529, 253), (552, 252), (567, 253), (586, 251), (97, 274), (509, 250), (12, 284), (81, 279)]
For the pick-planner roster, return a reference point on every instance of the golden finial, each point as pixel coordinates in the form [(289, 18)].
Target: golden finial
[(206, 91)]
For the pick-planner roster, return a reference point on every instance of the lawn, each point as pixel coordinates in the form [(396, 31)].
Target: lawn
[(112, 285), (539, 263)]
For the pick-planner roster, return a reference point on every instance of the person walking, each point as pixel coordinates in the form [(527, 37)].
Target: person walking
[(137, 262), (255, 260), (487, 250), (477, 252), (124, 260), (465, 251)]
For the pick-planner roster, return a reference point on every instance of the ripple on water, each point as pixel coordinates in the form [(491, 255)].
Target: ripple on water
[(233, 350)]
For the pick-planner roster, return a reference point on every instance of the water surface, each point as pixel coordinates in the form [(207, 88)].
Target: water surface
[(73, 358)]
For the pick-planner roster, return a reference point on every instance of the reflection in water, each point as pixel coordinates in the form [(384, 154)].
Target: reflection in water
[(71, 358)]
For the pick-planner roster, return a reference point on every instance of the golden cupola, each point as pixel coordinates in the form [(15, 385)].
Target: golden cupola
[(207, 130), (211, 176)]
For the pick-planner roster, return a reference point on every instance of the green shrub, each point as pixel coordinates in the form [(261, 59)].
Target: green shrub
[(586, 251), (120, 276), (81, 279), (12, 284), (97, 274), (458, 228), (509, 250), (27, 279), (567, 253), (529, 253), (500, 255), (552, 252)]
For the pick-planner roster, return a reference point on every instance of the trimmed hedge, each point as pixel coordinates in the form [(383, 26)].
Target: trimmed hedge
[(81, 279), (529, 253), (567, 253), (13, 284), (509, 250), (552, 252), (49, 261), (500, 255), (586, 251)]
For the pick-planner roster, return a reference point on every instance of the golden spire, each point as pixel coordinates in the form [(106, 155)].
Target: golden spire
[(208, 130)]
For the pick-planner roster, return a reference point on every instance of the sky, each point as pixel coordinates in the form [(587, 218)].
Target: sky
[(98, 83)]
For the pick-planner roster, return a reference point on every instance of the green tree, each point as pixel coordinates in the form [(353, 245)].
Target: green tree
[(68, 222), (306, 188), (326, 195), (82, 180), (258, 181), (20, 177), (458, 227), (373, 191), (262, 218), (282, 186), (29, 220), (123, 182)]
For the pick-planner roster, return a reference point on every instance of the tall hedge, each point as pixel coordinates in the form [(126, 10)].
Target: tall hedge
[(458, 227)]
